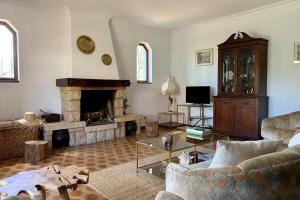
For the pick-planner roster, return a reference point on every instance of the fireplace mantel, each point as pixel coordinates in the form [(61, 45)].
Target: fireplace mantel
[(78, 82)]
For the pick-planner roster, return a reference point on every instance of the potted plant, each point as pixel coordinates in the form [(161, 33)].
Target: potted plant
[(125, 105)]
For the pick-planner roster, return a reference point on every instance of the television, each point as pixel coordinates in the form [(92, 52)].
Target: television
[(198, 94)]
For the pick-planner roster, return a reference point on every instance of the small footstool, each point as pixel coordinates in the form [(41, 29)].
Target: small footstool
[(35, 150)]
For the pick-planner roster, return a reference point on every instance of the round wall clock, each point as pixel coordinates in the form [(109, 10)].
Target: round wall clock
[(106, 59), (86, 44)]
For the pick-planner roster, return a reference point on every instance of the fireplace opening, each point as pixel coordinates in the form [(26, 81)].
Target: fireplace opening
[(96, 106), (60, 138)]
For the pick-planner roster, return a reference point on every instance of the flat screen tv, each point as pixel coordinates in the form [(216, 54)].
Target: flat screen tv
[(198, 94)]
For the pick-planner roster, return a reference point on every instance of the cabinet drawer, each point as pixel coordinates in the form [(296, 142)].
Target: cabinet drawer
[(223, 101), (246, 102)]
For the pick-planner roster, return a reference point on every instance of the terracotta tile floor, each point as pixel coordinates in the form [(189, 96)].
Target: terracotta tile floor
[(95, 157)]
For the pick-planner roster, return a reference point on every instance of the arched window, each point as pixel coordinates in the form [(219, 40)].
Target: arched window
[(8, 53), (144, 63)]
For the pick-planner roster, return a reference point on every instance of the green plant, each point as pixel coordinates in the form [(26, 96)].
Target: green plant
[(125, 104)]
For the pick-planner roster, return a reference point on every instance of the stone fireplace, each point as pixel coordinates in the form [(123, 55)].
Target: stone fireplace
[(92, 110)]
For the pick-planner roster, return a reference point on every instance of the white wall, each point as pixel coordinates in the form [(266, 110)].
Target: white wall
[(47, 51), (144, 98), (95, 26), (47, 39), (277, 24), (42, 53)]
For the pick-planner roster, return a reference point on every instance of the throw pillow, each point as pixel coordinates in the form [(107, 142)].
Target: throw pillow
[(231, 153), (294, 140)]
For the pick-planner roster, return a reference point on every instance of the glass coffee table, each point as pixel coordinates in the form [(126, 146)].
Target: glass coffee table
[(180, 142)]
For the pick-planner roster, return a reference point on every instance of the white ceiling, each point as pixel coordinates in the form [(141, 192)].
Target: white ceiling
[(167, 14)]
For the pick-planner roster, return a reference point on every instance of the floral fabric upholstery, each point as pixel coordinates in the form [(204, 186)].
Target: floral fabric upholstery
[(167, 195), (272, 176), (280, 127)]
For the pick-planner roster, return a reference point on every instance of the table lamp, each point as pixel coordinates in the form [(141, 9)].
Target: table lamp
[(169, 88)]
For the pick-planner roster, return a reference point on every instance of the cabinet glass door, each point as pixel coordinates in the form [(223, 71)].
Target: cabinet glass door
[(247, 71), (228, 72)]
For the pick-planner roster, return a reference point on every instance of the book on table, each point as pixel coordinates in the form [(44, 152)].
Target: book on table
[(196, 134)]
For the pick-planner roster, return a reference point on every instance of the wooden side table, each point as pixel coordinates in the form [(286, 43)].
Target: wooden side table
[(201, 118), (35, 150)]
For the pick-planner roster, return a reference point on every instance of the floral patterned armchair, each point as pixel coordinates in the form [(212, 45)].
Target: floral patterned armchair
[(271, 176)]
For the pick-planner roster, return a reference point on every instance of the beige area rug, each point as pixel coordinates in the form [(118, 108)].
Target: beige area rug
[(123, 183)]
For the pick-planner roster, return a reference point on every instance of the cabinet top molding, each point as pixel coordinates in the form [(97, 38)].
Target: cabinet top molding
[(240, 38)]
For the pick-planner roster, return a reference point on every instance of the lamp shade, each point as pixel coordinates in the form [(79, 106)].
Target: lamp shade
[(169, 87)]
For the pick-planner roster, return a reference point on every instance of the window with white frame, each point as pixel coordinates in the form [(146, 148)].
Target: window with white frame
[(8, 53), (144, 63)]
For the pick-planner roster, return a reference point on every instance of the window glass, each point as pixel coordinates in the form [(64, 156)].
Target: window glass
[(144, 63), (8, 53), (141, 63)]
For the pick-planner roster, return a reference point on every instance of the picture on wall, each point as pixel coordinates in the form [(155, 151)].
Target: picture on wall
[(297, 53), (204, 57)]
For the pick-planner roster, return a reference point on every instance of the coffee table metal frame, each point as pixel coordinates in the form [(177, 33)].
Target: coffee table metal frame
[(142, 142), (187, 143)]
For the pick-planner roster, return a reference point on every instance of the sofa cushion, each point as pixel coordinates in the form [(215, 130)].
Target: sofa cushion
[(294, 149), (282, 122), (295, 140), (271, 159), (277, 134), (231, 153), (295, 120), (280, 134)]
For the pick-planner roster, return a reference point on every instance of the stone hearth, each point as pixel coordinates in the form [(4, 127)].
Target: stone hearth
[(79, 132)]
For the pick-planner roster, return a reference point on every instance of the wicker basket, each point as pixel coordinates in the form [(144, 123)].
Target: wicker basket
[(13, 136)]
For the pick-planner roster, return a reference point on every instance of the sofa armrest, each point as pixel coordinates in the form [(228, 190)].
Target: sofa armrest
[(277, 134), (167, 196), (297, 131), (200, 165), (188, 184), (268, 128), (178, 168), (268, 123), (268, 133)]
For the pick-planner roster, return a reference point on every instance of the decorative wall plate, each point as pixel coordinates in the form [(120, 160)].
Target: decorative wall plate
[(106, 59), (86, 44)]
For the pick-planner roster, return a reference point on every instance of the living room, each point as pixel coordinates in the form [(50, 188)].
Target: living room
[(65, 52)]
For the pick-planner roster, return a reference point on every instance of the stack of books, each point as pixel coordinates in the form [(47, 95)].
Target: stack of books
[(193, 133), (196, 134)]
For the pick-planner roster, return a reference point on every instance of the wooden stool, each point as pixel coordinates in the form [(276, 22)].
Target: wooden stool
[(35, 150), (152, 129)]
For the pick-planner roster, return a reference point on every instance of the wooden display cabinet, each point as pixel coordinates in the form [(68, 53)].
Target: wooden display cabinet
[(241, 103)]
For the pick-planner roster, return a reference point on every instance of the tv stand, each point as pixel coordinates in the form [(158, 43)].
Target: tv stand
[(201, 118)]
